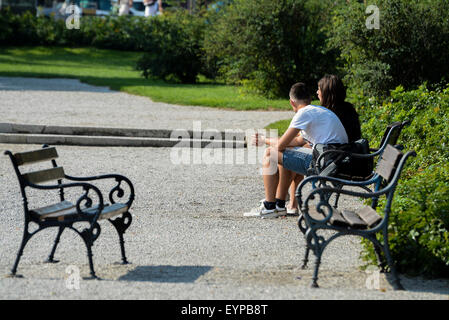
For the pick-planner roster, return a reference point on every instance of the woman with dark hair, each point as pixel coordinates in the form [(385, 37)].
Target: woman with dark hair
[(332, 95)]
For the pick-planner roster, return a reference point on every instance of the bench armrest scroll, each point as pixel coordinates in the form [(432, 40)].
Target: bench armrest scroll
[(117, 190), (83, 198)]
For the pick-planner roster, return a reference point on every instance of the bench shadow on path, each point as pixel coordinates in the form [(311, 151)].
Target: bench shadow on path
[(168, 274), (418, 284)]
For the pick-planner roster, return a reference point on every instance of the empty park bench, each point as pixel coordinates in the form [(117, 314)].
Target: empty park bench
[(318, 214), (63, 213)]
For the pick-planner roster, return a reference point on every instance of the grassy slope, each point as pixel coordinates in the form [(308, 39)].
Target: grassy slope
[(115, 69)]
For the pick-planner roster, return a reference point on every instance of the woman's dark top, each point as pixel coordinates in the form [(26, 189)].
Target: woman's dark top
[(350, 120)]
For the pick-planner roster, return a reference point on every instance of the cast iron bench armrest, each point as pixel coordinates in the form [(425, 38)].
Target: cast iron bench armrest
[(348, 154), (314, 179), (358, 194), (342, 154), (84, 197), (117, 188), (372, 194)]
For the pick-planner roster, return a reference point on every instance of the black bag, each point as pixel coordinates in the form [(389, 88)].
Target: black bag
[(334, 163)]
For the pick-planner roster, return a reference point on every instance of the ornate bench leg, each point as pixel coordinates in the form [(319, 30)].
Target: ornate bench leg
[(318, 251), (397, 282), (121, 224), (89, 236), (315, 273), (306, 258), (378, 249), (26, 236), (380, 260), (53, 250)]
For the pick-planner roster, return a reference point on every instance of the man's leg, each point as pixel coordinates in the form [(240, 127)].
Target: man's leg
[(298, 161), (277, 179), (285, 179), (270, 173)]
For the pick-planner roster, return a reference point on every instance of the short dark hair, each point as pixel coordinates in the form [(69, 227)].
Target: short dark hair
[(333, 92), (299, 92)]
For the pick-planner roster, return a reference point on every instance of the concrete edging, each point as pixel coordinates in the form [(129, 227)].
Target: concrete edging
[(120, 137)]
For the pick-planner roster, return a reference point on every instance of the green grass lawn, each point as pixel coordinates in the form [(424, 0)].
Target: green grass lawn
[(115, 69), (281, 126)]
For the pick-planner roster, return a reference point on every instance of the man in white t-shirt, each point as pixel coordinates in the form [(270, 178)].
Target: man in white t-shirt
[(310, 125)]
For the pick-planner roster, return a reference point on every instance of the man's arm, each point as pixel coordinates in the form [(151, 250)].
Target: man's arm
[(258, 140), (288, 138)]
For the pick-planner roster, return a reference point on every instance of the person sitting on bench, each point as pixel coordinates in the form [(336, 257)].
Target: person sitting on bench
[(311, 124)]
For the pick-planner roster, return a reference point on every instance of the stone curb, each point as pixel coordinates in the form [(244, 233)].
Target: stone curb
[(111, 141), (119, 137), (119, 132)]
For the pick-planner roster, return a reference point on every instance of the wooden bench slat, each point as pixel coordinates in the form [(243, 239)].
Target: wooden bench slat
[(337, 218), (366, 217), (314, 214), (44, 175), (64, 205), (387, 164), (29, 157), (353, 219), (369, 215), (59, 215), (109, 211)]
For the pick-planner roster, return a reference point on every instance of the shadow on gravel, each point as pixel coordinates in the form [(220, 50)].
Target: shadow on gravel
[(166, 273)]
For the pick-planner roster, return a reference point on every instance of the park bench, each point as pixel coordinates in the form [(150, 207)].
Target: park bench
[(318, 214), (63, 213), (339, 165)]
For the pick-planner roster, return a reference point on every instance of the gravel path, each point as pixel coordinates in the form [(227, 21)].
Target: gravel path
[(69, 102), (188, 238)]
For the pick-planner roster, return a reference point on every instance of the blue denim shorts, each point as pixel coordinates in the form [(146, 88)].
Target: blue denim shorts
[(297, 159)]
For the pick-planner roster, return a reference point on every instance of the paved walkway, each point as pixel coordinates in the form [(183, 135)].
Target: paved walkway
[(188, 238)]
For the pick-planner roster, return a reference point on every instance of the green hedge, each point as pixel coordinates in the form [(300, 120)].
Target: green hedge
[(419, 225), (171, 43), (410, 47), (175, 48)]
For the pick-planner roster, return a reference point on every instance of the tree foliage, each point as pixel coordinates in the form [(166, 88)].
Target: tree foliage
[(411, 45), (269, 45)]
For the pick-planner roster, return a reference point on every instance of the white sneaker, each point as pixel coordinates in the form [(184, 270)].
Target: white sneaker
[(292, 212), (281, 211), (265, 213)]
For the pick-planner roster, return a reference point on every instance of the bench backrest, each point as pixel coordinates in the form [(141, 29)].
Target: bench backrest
[(388, 163), (392, 133), (31, 157)]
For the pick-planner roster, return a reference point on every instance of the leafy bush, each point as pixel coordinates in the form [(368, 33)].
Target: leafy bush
[(173, 51), (410, 47), (172, 43), (269, 45), (26, 29), (419, 225)]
